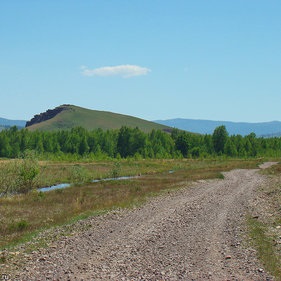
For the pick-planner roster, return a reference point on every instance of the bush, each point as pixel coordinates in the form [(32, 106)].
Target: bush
[(79, 174), (116, 170), (18, 176), (28, 169)]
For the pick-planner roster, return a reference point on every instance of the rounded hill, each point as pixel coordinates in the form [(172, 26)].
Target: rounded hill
[(65, 117)]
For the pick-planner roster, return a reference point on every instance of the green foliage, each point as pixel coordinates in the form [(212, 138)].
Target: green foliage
[(230, 148), (19, 225), (195, 152), (79, 143), (18, 176), (182, 144), (79, 174), (27, 170), (116, 170), (220, 137)]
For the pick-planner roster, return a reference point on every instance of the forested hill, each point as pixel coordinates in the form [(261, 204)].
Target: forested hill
[(66, 117), (265, 129)]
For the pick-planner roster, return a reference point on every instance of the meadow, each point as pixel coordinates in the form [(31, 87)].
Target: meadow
[(22, 215)]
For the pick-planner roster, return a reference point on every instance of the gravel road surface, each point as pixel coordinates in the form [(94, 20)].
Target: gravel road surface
[(195, 233)]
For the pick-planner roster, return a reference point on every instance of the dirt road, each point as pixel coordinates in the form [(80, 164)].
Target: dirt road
[(195, 233)]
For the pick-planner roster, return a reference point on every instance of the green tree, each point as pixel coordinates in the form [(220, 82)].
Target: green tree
[(162, 144), (182, 144), (138, 141), (208, 144), (5, 147), (83, 147), (220, 137), (252, 145), (123, 142), (230, 148)]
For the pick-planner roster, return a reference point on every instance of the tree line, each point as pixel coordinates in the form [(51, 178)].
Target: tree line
[(132, 142)]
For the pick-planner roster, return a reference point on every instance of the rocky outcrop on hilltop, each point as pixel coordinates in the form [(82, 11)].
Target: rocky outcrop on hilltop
[(49, 114)]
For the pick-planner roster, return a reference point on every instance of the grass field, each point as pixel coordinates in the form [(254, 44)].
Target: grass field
[(22, 215)]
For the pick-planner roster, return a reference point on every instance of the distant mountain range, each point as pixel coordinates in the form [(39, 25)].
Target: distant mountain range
[(265, 129), (6, 123), (68, 116)]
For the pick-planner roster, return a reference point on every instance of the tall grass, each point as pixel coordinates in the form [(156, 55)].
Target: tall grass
[(18, 176)]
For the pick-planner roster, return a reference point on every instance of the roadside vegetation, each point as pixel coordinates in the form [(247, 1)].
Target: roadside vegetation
[(265, 228), (18, 175)]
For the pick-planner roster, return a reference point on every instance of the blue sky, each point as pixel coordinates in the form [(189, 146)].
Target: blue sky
[(199, 59)]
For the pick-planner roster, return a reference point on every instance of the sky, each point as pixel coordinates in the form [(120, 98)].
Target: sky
[(196, 59)]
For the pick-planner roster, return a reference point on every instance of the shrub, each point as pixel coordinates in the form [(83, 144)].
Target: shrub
[(27, 170), (18, 176), (116, 170), (79, 174)]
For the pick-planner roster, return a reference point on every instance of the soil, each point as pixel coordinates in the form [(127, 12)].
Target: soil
[(195, 233)]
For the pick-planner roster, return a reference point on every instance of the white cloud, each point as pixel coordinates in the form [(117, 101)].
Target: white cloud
[(124, 71)]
